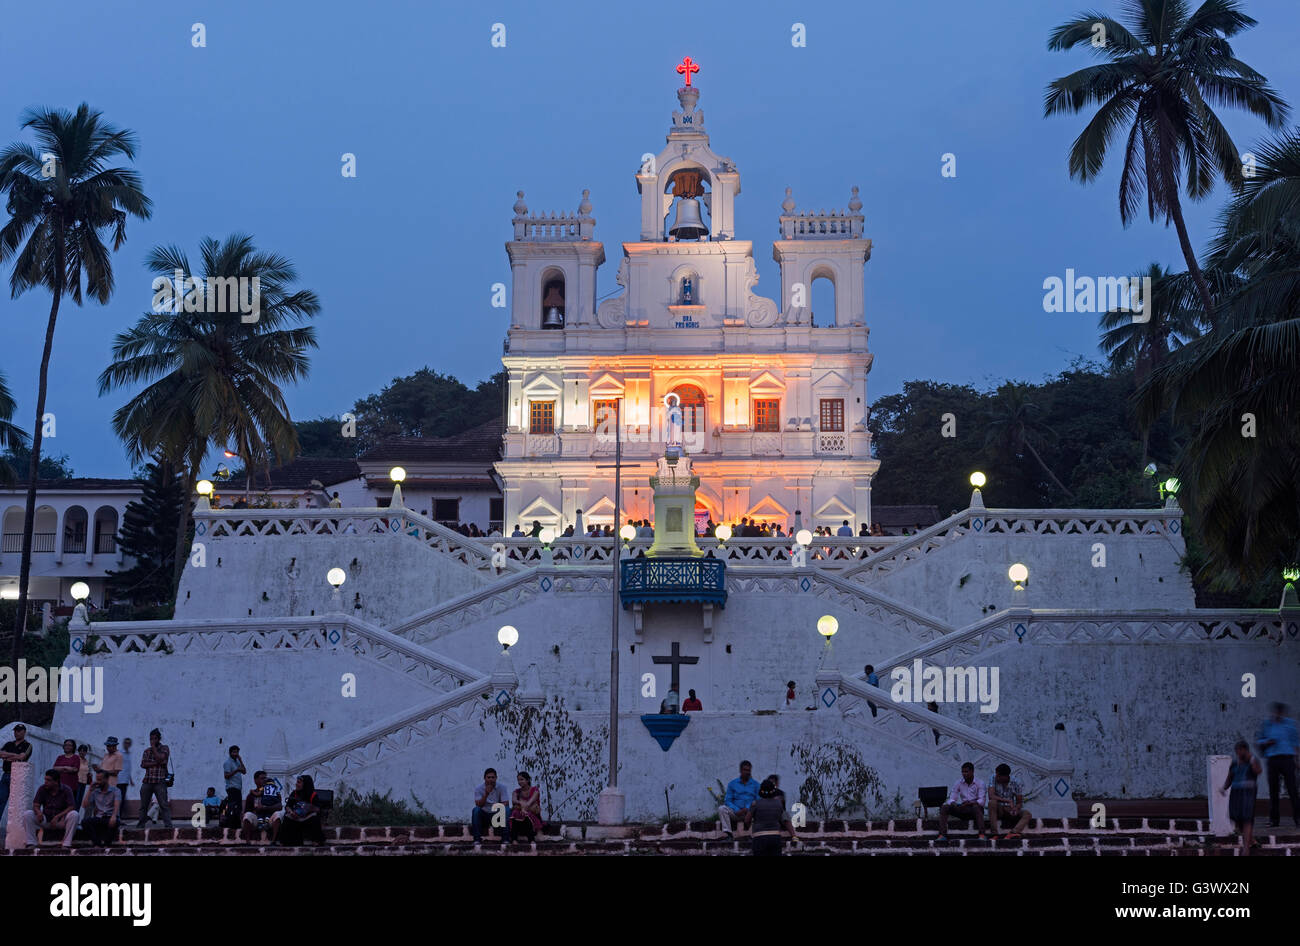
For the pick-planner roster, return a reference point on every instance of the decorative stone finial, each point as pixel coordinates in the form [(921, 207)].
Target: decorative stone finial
[(788, 204), (855, 204), (521, 209), (584, 208)]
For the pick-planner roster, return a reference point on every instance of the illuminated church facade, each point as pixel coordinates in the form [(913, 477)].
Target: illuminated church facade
[(774, 405)]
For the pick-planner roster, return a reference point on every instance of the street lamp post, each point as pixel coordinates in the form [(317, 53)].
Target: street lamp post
[(610, 806)]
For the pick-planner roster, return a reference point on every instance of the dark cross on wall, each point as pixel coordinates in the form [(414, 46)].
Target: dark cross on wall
[(676, 660)]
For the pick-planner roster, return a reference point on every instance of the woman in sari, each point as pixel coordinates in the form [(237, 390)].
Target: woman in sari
[(525, 809)]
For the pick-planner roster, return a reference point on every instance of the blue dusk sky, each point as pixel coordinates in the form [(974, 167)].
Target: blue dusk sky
[(247, 135)]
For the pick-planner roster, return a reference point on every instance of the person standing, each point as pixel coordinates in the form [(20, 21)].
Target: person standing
[(234, 771), (127, 777), (84, 772), (874, 681), (766, 818), (1278, 741), (111, 764), (154, 761), (17, 749), (68, 765), (1243, 777)]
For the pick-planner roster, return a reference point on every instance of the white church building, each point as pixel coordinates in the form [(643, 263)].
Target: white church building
[(774, 401)]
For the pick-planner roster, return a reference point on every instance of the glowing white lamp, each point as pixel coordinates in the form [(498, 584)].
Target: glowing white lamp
[(827, 626), (507, 637), (80, 591), (336, 576), (978, 479), (1019, 575), (722, 532), (627, 533), (803, 537)]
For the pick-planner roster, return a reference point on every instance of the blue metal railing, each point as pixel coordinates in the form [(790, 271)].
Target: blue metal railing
[(673, 579)]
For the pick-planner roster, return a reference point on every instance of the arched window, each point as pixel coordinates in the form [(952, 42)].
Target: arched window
[(553, 300), (822, 298), (693, 419)]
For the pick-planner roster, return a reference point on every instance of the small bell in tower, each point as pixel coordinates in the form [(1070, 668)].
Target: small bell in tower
[(553, 308)]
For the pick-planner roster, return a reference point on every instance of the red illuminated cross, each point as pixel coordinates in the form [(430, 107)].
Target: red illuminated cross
[(686, 68)]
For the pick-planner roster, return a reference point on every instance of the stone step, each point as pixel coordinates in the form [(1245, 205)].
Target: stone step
[(1051, 839)]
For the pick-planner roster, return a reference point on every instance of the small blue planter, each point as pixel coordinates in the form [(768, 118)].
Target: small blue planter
[(665, 727)]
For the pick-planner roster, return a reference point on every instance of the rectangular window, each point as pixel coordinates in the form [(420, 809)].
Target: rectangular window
[(603, 414), (766, 415), (541, 417), (833, 414), (446, 510), (496, 512)]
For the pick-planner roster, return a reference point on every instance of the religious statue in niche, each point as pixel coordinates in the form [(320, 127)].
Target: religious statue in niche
[(688, 292)]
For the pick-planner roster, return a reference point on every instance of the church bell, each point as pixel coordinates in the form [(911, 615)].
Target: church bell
[(688, 224), (553, 309)]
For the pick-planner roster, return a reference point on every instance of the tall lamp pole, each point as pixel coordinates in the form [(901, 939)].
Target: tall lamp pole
[(610, 806)]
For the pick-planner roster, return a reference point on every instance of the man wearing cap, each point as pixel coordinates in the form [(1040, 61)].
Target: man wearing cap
[(17, 749), (111, 764)]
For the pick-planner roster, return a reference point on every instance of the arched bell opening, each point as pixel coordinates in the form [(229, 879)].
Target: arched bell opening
[(553, 299), (688, 218)]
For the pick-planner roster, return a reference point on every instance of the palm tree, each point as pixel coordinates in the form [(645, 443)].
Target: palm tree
[(11, 436), (1236, 389), (1014, 425), (63, 197), (1169, 324), (210, 378), (1164, 68)]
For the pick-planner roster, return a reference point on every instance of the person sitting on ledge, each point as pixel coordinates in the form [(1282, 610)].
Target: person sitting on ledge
[(966, 800), (1007, 803), (740, 797), (486, 797), (52, 808), (692, 703), (262, 809), (301, 821), (525, 810), (102, 810)]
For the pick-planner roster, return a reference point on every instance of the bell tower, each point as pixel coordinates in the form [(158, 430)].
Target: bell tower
[(553, 261), (686, 181)]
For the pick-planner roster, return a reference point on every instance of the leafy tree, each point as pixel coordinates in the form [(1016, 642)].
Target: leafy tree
[(51, 468), (918, 464), (323, 437), (1164, 67), (1015, 424), (837, 780), (426, 404), (63, 197), (148, 535), (1168, 323), (563, 759), (212, 379), (12, 437), (1235, 391)]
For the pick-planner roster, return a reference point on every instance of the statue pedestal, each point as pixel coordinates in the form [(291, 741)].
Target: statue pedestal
[(21, 790)]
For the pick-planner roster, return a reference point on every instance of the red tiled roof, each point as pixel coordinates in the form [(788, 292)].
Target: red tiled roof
[(481, 444)]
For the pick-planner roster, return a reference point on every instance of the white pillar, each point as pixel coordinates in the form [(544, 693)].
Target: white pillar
[(20, 789)]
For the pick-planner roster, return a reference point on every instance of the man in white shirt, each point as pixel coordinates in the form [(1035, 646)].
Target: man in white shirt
[(966, 800)]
